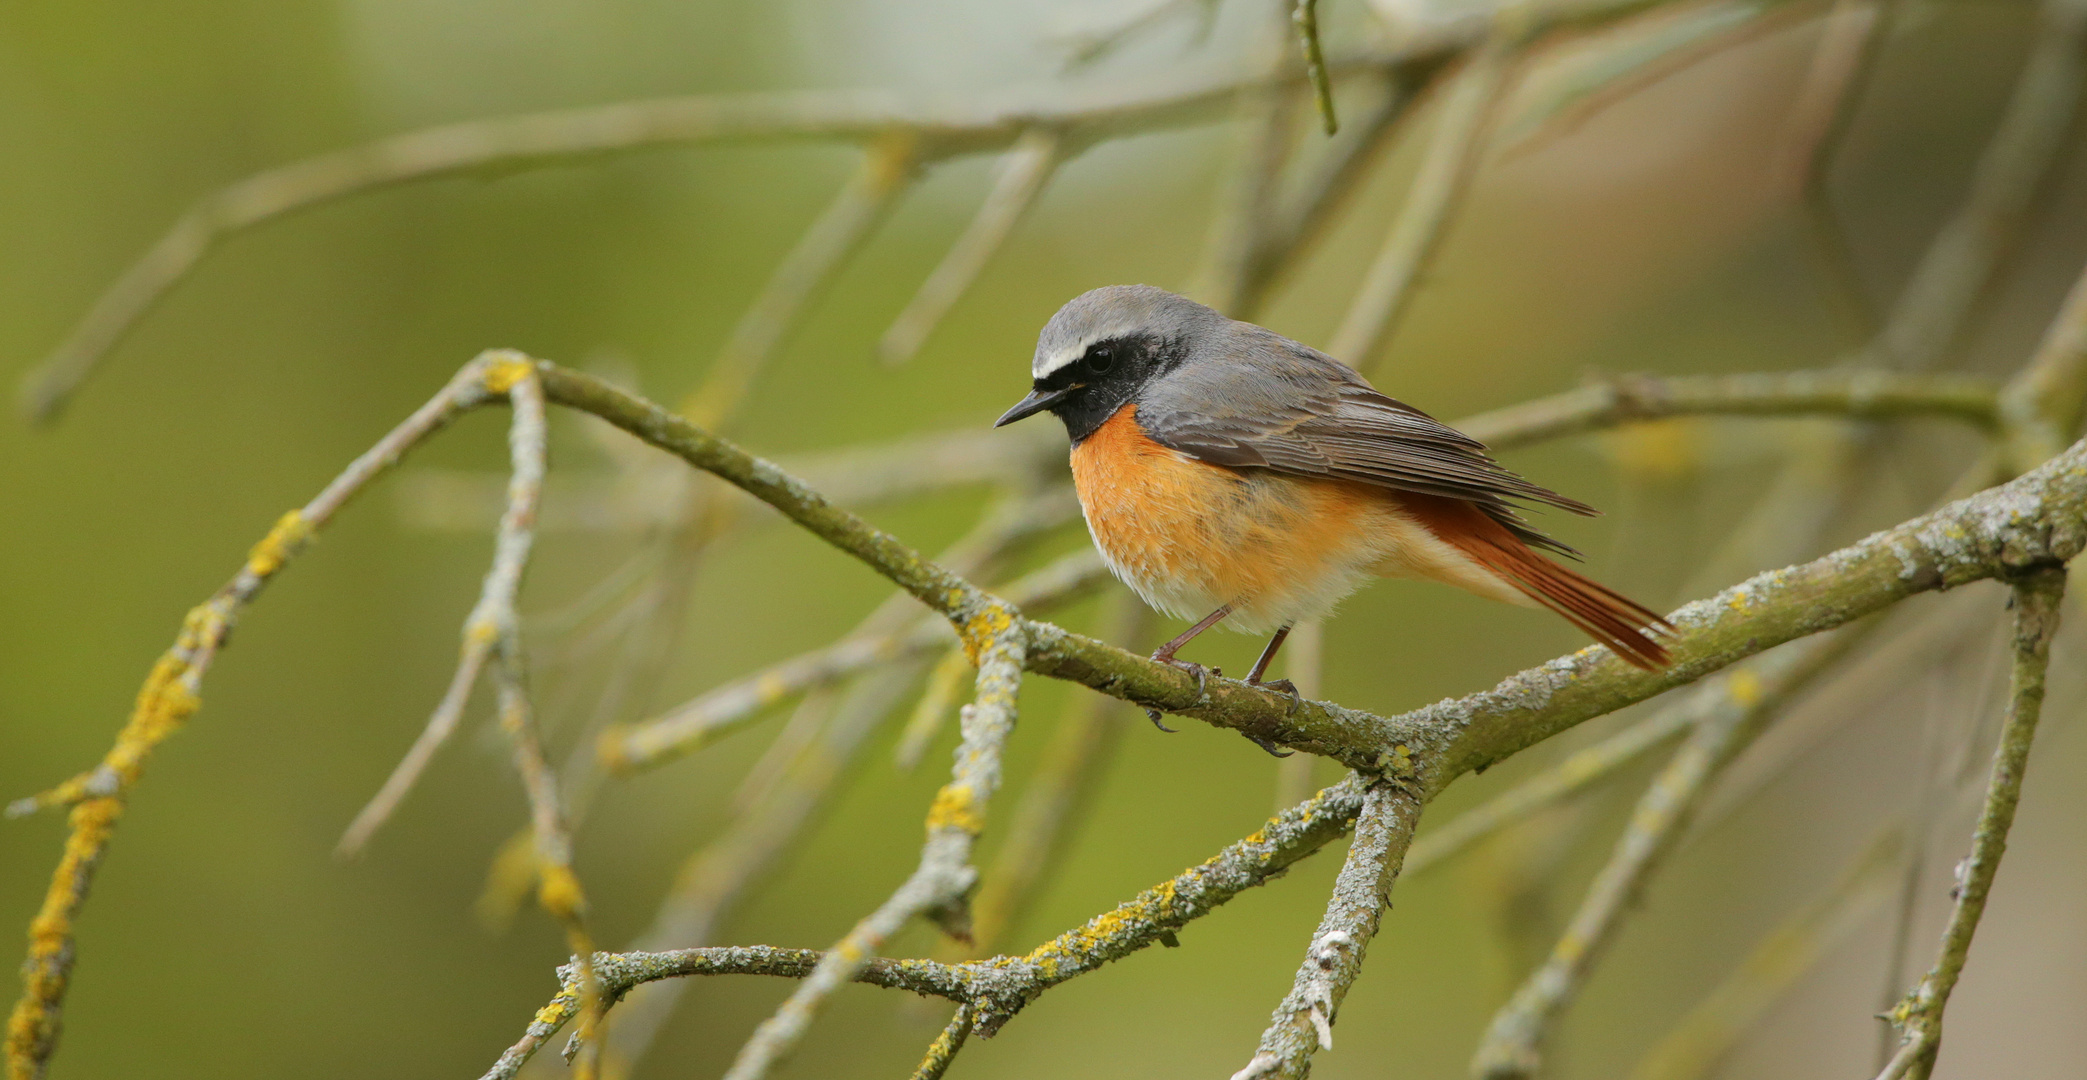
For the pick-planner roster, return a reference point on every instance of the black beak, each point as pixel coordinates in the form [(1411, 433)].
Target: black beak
[(1036, 402)]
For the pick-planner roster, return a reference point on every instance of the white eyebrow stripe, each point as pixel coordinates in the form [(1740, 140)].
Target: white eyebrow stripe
[(1062, 357), (1045, 367)]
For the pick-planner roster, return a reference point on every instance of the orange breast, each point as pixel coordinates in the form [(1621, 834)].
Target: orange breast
[(1190, 536)]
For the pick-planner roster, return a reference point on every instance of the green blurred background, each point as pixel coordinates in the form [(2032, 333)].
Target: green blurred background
[(224, 940)]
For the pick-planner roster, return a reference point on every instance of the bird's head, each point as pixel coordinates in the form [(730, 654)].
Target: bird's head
[(1103, 347)]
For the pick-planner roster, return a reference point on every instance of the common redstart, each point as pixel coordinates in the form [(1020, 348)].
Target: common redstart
[(1225, 468)]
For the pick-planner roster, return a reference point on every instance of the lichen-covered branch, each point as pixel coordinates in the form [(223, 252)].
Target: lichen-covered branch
[(497, 617), (1002, 986), (2035, 519), (1303, 1023), (171, 695), (1919, 1017), (1082, 744), (945, 875), (944, 1049)]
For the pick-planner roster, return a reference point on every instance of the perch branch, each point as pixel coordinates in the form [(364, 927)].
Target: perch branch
[(1919, 1017)]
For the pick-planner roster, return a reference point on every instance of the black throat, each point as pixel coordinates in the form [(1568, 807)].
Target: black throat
[(1109, 376)]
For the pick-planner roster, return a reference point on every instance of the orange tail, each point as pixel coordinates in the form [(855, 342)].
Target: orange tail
[(1615, 620)]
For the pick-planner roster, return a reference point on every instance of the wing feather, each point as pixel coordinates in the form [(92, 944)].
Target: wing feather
[(1295, 410)]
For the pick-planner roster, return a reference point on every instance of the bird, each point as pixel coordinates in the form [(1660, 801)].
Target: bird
[(1224, 468)]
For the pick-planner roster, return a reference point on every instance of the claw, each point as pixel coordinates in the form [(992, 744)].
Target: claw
[(1202, 675), (1287, 687), (1268, 745)]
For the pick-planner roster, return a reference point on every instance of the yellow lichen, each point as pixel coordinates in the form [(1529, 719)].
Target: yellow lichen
[(502, 374), (33, 1025), (556, 1013), (770, 687), (981, 630), (956, 807), (290, 532)]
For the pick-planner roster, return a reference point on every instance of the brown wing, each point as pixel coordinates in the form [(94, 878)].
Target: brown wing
[(1295, 410)]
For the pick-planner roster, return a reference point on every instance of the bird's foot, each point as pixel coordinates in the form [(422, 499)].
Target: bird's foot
[(1202, 675), (1287, 687)]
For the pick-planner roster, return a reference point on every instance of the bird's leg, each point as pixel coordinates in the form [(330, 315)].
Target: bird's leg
[(1165, 655), (1253, 678)]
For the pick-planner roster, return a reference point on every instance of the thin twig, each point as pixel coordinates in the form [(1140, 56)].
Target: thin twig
[(1062, 786), (1024, 171), (1002, 986), (946, 126), (1936, 303), (1306, 16), (886, 170), (1919, 1017), (944, 1049), (939, 884), (1438, 189), (1775, 963), (1738, 706), (558, 888), (1868, 394), (702, 721), (1303, 1023), (171, 695)]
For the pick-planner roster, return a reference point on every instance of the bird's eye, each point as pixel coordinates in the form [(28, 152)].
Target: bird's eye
[(1101, 358)]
